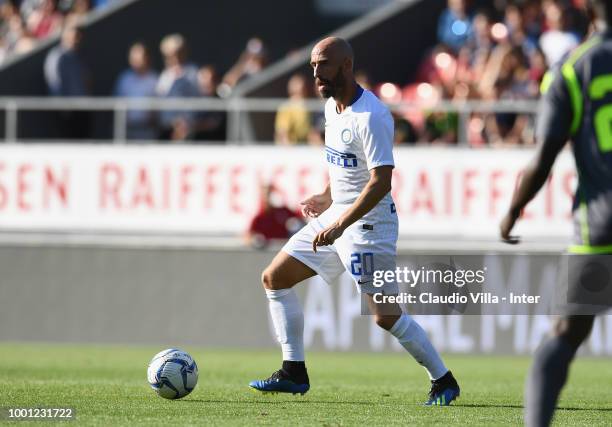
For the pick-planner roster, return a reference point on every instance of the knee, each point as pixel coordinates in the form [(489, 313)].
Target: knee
[(575, 329), (271, 280), (386, 322)]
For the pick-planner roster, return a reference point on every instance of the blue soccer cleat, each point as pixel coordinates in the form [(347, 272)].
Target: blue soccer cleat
[(280, 382), (443, 391)]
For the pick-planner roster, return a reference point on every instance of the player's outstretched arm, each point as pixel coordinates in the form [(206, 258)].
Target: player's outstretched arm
[(317, 204), (534, 177), (553, 129), (374, 191)]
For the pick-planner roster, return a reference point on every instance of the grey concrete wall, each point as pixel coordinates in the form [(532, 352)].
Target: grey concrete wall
[(129, 295), (212, 297)]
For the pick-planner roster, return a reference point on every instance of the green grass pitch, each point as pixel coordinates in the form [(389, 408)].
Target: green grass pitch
[(107, 386)]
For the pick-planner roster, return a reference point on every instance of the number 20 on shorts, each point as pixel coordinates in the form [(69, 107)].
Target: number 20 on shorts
[(362, 264)]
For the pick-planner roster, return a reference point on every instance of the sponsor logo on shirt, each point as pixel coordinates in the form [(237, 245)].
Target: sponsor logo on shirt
[(338, 158)]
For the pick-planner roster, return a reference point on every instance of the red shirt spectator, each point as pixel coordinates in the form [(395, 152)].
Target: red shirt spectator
[(45, 20), (272, 222)]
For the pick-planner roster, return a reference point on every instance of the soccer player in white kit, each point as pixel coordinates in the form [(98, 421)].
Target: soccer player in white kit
[(353, 228)]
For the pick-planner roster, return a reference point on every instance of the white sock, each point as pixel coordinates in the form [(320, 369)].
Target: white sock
[(288, 320), (415, 340)]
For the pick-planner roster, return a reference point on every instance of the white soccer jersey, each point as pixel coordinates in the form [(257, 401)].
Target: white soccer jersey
[(357, 140)]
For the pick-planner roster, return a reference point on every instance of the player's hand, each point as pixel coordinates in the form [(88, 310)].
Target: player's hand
[(315, 205), (328, 236), (506, 227)]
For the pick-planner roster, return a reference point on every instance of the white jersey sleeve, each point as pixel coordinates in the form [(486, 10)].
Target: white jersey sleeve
[(377, 138)]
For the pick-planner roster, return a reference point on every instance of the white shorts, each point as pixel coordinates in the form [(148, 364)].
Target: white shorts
[(364, 247)]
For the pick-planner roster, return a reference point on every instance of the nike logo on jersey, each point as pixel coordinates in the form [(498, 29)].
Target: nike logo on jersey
[(338, 158)]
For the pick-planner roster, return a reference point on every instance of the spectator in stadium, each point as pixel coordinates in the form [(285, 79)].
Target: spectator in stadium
[(65, 71), (208, 80), (480, 39), (23, 22), (513, 18), (465, 68), (455, 25), (78, 11), (557, 40), (511, 83), (293, 120), (441, 127), (66, 75), (532, 19), (251, 61), (209, 125), (317, 131), (18, 39), (177, 80), (514, 75), (537, 69), (136, 82), (3, 50), (45, 19), (7, 11), (317, 128), (404, 133), (274, 221), (26, 7), (438, 68), (517, 34)]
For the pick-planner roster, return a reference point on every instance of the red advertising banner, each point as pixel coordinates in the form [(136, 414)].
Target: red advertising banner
[(437, 191)]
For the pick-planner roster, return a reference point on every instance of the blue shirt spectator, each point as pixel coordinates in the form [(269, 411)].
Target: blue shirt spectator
[(455, 25), (137, 82), (177, 80)]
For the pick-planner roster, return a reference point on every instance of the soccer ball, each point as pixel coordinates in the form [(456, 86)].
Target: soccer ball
[(172, 373)]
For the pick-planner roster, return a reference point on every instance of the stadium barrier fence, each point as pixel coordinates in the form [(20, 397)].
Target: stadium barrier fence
[(234, 107)]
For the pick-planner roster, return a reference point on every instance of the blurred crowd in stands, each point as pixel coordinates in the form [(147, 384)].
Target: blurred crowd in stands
[(66, 74), (499, 53), (179, 78), (495, 54), (25, 22)]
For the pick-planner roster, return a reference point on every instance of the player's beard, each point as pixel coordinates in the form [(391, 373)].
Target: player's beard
[(334, 87)]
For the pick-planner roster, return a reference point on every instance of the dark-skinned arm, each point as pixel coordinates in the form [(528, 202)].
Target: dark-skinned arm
[(534, 177), (553, 128)]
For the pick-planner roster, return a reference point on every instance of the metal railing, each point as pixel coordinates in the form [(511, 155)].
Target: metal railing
[(234, 107)]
